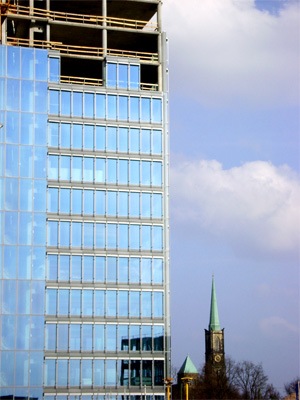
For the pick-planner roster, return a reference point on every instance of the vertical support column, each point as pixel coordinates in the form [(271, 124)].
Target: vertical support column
[(48, 25), (104, 40), (31, 28), (159, 47)]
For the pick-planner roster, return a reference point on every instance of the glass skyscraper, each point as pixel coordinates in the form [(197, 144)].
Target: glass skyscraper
[(84, 229)]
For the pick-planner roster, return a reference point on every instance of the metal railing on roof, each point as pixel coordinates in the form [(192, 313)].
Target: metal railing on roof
[(82, 51), (11, 9)]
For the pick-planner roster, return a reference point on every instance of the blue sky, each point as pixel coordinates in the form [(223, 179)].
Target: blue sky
[(235, 187)]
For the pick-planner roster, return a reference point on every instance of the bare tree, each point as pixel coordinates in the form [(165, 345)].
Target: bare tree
[(291, 386), (250, 380)]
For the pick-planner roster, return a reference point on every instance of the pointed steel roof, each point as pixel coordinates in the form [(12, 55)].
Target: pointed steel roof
[(188, 367), (214, 323)]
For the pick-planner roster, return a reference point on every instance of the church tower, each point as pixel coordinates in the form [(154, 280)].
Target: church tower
[(214, 338)]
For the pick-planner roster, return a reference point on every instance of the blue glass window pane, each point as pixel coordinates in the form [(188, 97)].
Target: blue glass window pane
[(146, 205), (157, 267), (10, 262), (134, 270), (53, 134), (53, 167), (111, 143), (77, 104), (12, 123), (147, 341), (145, 179), (76, 201), (157, 238), (156, 110), (38, 263), (41, 65), (111, 236), (62, 372), (40, 102), (74, 373), (76, 136), (111, 203), (158, 334), (64, 171), (89, 105), (75, 307), (99, 303), (27, 63), (50, 372), (64, 268), (50, 337), (26, 228), (27, 96), (111, 106), (123, 108), (13, 62), (134, 140), (25, 267), (157, 205), (123, 269), (88, 270), (26, 193), (100, 236), (63, 301), (111, 75), (157, 304), (11, 194), (134, 178), (88, 235), (88, 202), (123, 76), (51, 301), (76, 168), (156, 173), (146, 270), (111, 275), (100, 202), (111, 337), (134, 204), (123, 240), (76, 267), (54, 67), (52, 233), (62, 337), (134, 77), (74, 334), (111, 303), (65, 136), (145, 114), (87, 302), (134, 237), (123, 303), (88, 169), (123, 140), (87, 337), (10, 227), (53, 101), (40, 156), (134, 304), (65, 102), (123, 204), (123, 172), (99, 373), (52, 273), (88, 137), (23, 304), (99, 269), (27, 128), (12, 160), (146, 237), (111, 171), (145, 141), (40, 132), (100, 106), (100, 138), (64, 230), (76, 234), (134, 105), (13, 94), (64, 201), (36, 372), (98, 340), (146, 304), (87, 373)]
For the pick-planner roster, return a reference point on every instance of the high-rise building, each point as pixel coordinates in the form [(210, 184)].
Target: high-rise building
[(84, 242)]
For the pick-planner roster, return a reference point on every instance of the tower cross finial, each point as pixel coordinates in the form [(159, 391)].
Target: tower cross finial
[(214, 323)]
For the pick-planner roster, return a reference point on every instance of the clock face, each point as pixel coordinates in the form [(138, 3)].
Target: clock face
[(217, 358)]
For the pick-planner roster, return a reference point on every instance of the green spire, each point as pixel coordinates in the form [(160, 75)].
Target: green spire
[(188, 367), (214, 323)]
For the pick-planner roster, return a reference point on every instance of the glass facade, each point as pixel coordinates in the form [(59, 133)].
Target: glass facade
[(83, 266)]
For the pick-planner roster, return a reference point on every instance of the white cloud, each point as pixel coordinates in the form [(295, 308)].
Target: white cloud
[(228, 50), (277, 326), (253, 208)]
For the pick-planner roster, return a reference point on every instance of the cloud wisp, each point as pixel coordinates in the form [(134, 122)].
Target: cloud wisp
[(228, 51), (253, 208)]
